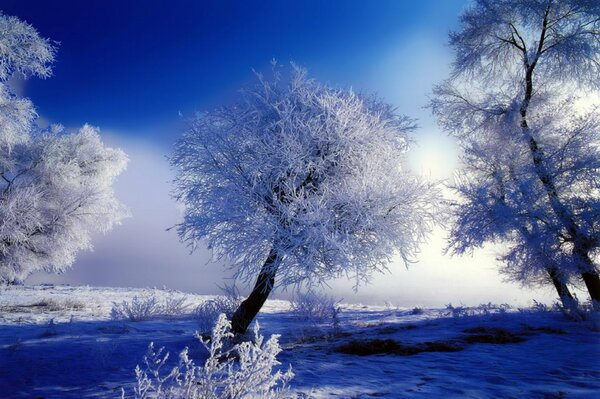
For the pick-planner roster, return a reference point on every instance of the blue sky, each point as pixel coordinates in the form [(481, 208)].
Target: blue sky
[(132, 67)]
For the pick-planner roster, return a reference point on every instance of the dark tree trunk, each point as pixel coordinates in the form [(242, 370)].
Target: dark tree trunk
[(581, 251), (590, 276), (588, 273), (250, 307), (563, 291), (592, 283)]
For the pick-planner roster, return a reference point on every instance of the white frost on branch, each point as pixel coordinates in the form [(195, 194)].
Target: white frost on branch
[(245, 371), (310, 173), (22, 50), (58, 191), (55, 188), (531, 159)]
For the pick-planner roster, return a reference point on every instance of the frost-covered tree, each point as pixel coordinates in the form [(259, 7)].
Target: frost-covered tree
[(531, 158), (25, 53), (301, 182), (58, 191), (502, 200), (55, 188), (23, 50)]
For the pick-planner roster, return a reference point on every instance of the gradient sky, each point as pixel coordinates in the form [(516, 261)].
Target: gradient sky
[(133, 67)]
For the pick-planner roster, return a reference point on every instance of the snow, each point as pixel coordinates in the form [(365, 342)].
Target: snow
[(73, 350)]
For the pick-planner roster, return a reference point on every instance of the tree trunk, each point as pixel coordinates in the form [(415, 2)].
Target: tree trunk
[(592, 282), (563, 291), (250, 307), (590, 276)]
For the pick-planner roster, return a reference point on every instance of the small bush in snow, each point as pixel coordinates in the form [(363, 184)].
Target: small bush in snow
[(457, 311), (243, 372), (173, 306), (48, 304), (573, 310), (316, 307), (417, 311), (138, 309), (149, 307), (489, 308), (53, 305), (541, 307), (586, 311), (207, 313), (50, 330), (485, 309)]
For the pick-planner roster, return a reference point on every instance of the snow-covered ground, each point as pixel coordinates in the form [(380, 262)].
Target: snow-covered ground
[(59, 342)]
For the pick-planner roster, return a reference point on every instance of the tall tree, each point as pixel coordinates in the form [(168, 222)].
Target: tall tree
[(300, 182), (531, 157), (55, 188)]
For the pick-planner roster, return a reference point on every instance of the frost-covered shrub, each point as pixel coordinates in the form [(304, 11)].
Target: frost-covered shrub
[(149, 306), (207, 313), (484, 309), (138, 309), (573, 310), (457, 311), (586, 311), (390, 307), (243, 372), (50, 330), (47, 303), (542, 307), (174, 306), (490, 308), (53, 305), (315, 307), (417, 311)]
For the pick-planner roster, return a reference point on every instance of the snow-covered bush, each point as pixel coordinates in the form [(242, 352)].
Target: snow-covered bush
[(416, 311), (573, 310), (390, 307), (484, 309), (48, 304), (315, 307), (243, 372), (489, 308), (53, 305), (456, 311), (175, 306), (138, 309), (207, 313), (149, 306)]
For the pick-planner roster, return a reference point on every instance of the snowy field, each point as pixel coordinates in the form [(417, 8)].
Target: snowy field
[(60, 342)]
